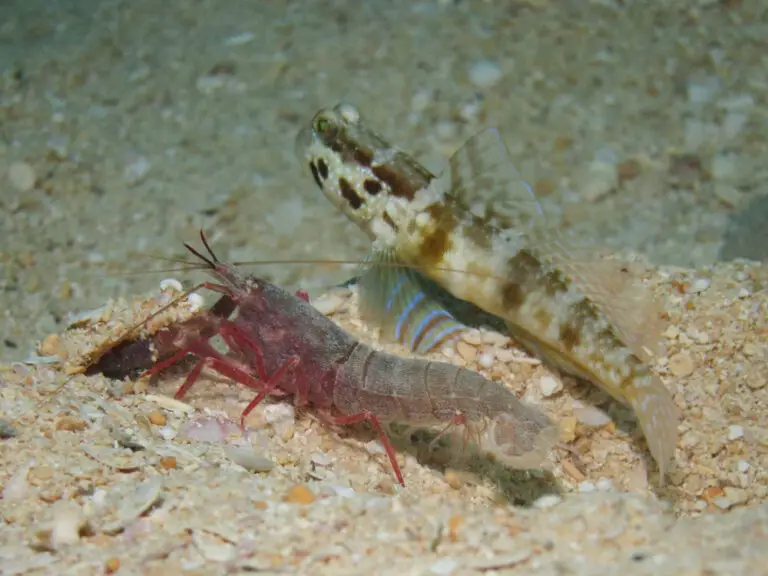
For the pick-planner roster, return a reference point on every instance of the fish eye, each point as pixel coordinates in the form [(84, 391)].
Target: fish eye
[(322, 125)]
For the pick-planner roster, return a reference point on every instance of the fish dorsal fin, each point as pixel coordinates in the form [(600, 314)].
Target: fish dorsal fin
[(404, 303), (482, 182)]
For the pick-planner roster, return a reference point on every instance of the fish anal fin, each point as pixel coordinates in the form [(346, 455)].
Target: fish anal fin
[(613, 287)]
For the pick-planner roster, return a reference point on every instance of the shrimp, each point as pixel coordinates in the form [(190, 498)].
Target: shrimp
[(284, 346)]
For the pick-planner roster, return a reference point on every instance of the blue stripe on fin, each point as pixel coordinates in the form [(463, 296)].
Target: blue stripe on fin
[(404, 304), (403, 317), (424, 324), (394, 293), (448, 333)]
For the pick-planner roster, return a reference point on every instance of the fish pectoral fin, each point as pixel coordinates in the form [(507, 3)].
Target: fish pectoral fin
[(404, 304)]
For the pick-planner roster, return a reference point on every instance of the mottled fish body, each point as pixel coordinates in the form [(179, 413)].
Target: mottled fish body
[(477, 231)]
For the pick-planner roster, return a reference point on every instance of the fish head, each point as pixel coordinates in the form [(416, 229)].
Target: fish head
[(358, 171)]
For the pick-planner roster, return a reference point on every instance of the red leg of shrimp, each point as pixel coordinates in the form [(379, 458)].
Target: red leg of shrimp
[(361, 417), (210, 358), (269, 388)]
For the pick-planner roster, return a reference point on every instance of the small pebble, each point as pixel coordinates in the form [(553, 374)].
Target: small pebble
[(570, 469), (604, 485), (681, 364), (168, 462), (587, 486), (239, 39), (730, 196), (52, 346), (743, 466), (112, 565), (171, 284), (157, 418), (735, 432), (71, 424), (484, 73), (169, 403), (68, 522), (591, 416), (321, 459), (136, 170), (699, 285), (485, 360), (473, 337), (300, 494), (549, 386), (22, 176), (547, 501), (506, 355), (628, 170), (495, 338), (7, 430), (466, 351), (249, 458), (329, 304), (444, 567), (567, 428), (453, 479), (42, 473), (732, 497), (454, 523), (736, 495)]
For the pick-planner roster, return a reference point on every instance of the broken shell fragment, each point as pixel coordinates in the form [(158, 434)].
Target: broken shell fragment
[(136, 504)]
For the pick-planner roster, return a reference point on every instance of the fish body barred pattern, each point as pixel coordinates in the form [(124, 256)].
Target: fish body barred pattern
[(337, 374), (478, 231)]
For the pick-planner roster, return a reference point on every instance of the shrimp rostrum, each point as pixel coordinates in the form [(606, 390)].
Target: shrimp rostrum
[(284, 346)]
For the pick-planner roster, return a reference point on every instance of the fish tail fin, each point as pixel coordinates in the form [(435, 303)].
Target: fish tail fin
[(658, 416)]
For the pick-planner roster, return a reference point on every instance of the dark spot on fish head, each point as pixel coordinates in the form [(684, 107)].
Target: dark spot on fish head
[(322, 168), (363, 157), (373, 187), (349, 194), (399, 186), (315, 175)]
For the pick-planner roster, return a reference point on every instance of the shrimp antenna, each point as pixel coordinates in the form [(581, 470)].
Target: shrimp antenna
[(211, 263), (208, 247)]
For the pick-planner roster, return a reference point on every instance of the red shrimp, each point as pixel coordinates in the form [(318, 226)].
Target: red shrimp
[(284, 346)]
